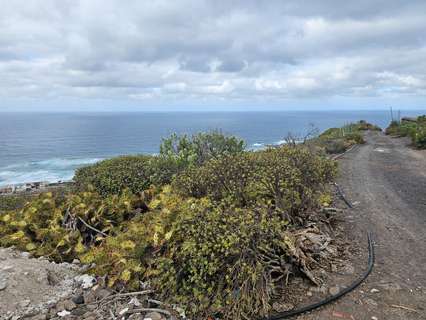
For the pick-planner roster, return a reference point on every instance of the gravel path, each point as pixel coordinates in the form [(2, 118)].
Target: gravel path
[(386, 181)]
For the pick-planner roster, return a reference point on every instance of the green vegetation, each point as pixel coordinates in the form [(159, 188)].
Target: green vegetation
[(12, 202), (413, 128), (338, 140), (139, 172), (211, 227), (114, 175)]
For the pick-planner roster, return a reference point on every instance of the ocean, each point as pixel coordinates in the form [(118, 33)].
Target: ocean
[(50, 146)]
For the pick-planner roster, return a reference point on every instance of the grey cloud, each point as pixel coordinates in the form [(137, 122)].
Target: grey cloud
[(190, 50)]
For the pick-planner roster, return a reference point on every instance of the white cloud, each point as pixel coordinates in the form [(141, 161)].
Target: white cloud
[(193, 51)]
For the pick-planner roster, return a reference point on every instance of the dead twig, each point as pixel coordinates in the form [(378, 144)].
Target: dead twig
[(165, 312), (93, 228), (129, 294), (404, 308)]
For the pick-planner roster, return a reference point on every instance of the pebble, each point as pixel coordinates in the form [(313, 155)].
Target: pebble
[(66, 305), (374, 318), (63, 313), (371, 302), (374, 290), (76, 261), (78, 299), (153, 316), (25, 254), (7, 268), (3, 285), (122, 312), (281, 307), (86, 281), (334, 290), (24, 303)]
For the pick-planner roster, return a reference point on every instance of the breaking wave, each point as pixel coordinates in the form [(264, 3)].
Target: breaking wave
[(50, 170)]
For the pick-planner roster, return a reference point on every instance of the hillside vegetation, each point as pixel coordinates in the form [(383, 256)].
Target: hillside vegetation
[(413, 128), (209, 226), (338, 140)]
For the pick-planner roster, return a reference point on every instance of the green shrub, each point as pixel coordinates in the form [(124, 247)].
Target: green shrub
[(187, 151), (338, 140), (286, 178), (364, 125), (114, 175), (393, 128), (229, 263), (139, 172), (335, 146), (413, 129), (12, 202), (211, 260), (420, 137)]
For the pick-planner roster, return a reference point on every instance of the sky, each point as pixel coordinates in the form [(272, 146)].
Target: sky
[(106, 55)]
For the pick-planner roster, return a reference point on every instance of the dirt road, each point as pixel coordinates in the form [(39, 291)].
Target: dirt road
[(386, 181)]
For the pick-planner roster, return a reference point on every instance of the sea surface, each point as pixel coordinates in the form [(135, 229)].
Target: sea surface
[(50, 146)]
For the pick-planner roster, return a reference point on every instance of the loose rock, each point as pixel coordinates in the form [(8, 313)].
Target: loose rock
[(153, 316), (334, 290), (3, 285)]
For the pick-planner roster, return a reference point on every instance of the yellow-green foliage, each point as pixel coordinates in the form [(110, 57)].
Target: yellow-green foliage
[(58, 227), (221, 241), (134, 253), (228, 262), (37, 228), (287, 178)]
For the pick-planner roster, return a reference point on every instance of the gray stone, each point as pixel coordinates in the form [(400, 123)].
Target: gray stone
[(3, 285), (153, 316), (281, 307), (334, 290), (348, 269), (371, 302), (25, 254), (89, 297), (79, 311), (102, 293), (24, 303)]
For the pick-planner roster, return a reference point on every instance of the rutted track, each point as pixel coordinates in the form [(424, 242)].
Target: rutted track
[(386, 181)]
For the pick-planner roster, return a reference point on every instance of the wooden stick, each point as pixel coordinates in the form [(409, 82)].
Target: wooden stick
[(167, 313), (93, 228), (403, 307)]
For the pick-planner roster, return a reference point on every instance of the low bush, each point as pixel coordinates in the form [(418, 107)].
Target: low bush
[(187, 151), (139, 172), (419, 138), (114, 175), (338, 140), (13, 202), (229, 263), (413, 128), (286, 178)]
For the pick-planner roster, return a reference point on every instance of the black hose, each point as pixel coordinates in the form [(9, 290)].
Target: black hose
[(343, 196), (287, 314)]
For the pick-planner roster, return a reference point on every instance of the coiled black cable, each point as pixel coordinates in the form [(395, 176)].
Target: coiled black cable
[(287, 314)]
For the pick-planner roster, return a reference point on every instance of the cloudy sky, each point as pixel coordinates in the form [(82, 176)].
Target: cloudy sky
[(155, 55)]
